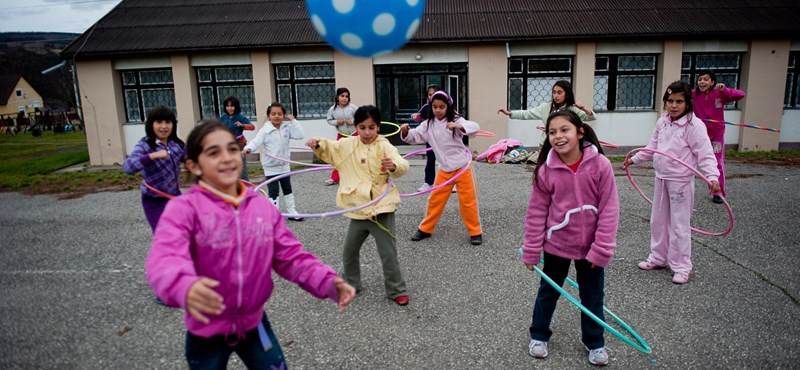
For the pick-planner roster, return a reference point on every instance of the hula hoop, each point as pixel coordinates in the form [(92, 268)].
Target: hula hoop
[(641, 345), (157, 192), (382, 123), (604, 144), (324, 214), (484, 133), (253, 186), (448, 182), (296, 162), (696, 172)]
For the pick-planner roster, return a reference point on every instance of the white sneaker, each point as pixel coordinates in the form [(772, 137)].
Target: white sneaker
[(537, 348), (598, 356), (424, 187)]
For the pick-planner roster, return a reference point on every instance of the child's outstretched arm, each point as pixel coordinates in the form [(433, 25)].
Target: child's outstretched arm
[(414, 136), (296, 131), (325, 149), (258, 141), (729, 94), (244, 123)]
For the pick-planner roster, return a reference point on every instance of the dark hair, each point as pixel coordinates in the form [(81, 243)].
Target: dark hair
[(569, 99), (367, 111), (194, 144), (448, 101), (710, 73), (434, 87), (276, 105), (680, 87), (340, 91), (161, 113), (589, 137), (237, 108)]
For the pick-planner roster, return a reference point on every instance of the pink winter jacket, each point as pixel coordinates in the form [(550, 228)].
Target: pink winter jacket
[(449, 149), (200, 235), (711, 105), (573, 215), (687, 140)]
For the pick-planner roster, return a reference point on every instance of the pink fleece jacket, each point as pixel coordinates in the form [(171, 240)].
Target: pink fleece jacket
[(687, 140), (573, 215), (449, 149), (711, 104), (200, 235)]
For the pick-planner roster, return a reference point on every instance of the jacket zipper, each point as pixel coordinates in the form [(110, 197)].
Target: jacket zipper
[(239, 263)]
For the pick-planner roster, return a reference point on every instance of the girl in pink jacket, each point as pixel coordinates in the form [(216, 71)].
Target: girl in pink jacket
[(680, 133), (213, 254), (572, 214)]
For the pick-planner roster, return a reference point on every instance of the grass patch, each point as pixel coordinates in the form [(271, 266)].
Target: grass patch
[(773, 155)]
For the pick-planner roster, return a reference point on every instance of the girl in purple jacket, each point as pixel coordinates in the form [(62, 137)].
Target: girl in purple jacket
[(214, 252), (572, 214)]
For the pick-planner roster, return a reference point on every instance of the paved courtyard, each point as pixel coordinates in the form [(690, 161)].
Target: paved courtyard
[(73, 292)]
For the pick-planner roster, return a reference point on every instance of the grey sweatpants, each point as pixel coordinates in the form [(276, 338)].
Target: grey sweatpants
[(357, 233)]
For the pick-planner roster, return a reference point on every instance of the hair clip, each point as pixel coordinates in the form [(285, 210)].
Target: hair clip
[(669, 91)]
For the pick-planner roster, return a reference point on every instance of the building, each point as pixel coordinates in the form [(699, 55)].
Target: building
[(17, 95), (619, 55)]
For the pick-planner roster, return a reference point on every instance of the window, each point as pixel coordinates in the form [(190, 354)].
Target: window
[(791, 98), (145, 89), (19, 93), (306, 90), (726, 66), (624, 82), (531, 80), (217, 83)]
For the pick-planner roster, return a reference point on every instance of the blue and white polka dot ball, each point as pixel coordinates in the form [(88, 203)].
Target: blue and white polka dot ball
[(366, 28)]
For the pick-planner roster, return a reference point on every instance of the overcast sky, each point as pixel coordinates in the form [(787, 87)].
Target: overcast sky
[(74, 16)]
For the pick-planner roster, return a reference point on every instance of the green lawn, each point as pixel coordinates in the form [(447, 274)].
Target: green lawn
[(27, 161)]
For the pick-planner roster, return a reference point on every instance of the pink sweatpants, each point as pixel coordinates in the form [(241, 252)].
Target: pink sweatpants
[(670, 238), (717, 137)]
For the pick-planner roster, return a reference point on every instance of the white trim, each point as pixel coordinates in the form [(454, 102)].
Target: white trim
[(700, 46), (627, 47), (232, 58), (301, 56), (429, 54), (143, 63), (523, 50)]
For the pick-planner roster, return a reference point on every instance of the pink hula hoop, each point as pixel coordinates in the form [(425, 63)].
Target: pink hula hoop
[(324, 214), (484, 133), (297, 162), (696, 172), (450, 181), (170, 196), (604, 144)]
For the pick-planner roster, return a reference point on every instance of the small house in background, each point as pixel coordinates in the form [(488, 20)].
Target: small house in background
[(17, 95)]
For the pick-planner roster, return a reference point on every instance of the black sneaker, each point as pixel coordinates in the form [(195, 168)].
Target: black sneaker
[(476, 240), (419, 235), (717, 199)]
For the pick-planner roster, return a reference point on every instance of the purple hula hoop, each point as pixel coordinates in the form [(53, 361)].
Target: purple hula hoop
[(695, 171), (448, 182), (296, 162), (325, 214)]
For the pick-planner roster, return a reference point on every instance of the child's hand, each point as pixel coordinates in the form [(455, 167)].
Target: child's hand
[(714, 187), (387, 164), (288, 117), (238, 124), (161, 154), (346, 293), (454, 126), (348, 122), (404, 129), (202, 299), (582, 107), (339, 121), (627, 162), (720, 86), (312, 143), (246, 152), (504, 111), (414, 116)]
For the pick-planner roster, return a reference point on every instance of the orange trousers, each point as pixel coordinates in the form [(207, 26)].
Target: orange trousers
[(467, 190)]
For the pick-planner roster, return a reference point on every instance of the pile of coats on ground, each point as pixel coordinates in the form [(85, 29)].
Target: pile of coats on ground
[(509, 151)]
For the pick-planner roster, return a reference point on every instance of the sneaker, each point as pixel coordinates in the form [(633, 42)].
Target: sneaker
[(330, 182), (647, 265), (476, 240), (419, 235), (717, 199), (537, 348), (401, 300), (598, 356), (680, 278), (424, 187), (454, 189)]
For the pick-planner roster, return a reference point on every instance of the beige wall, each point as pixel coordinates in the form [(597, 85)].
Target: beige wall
[(357, 75), (263, 84), (583, 83), (487, 91), (187, 103), (669, 70), (763, 79), (103, 110), (29, 95)]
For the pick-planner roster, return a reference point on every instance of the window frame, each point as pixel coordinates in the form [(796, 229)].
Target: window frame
[(293, 82), (692, 70), (138, 87), (19, 93), (525, 74), (792, 80), (214, 84), (612, 72)]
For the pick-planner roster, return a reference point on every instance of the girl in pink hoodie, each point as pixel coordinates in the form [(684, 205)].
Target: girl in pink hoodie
[(213, 254), (680, 133), (572, 214)]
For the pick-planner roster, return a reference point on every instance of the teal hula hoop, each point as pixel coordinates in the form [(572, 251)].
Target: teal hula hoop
[(641, 345)]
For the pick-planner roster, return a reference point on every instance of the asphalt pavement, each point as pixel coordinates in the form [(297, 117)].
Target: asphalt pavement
[(73, 293)]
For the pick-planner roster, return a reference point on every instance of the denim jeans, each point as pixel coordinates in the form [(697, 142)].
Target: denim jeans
[(213, 353), (590, 280)]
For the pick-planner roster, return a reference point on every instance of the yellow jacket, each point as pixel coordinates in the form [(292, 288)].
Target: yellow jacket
[(361, 179)]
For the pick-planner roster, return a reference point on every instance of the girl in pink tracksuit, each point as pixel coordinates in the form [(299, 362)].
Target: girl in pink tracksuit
[(213, 254), (572, 214), (681, 134), (709, 100)]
